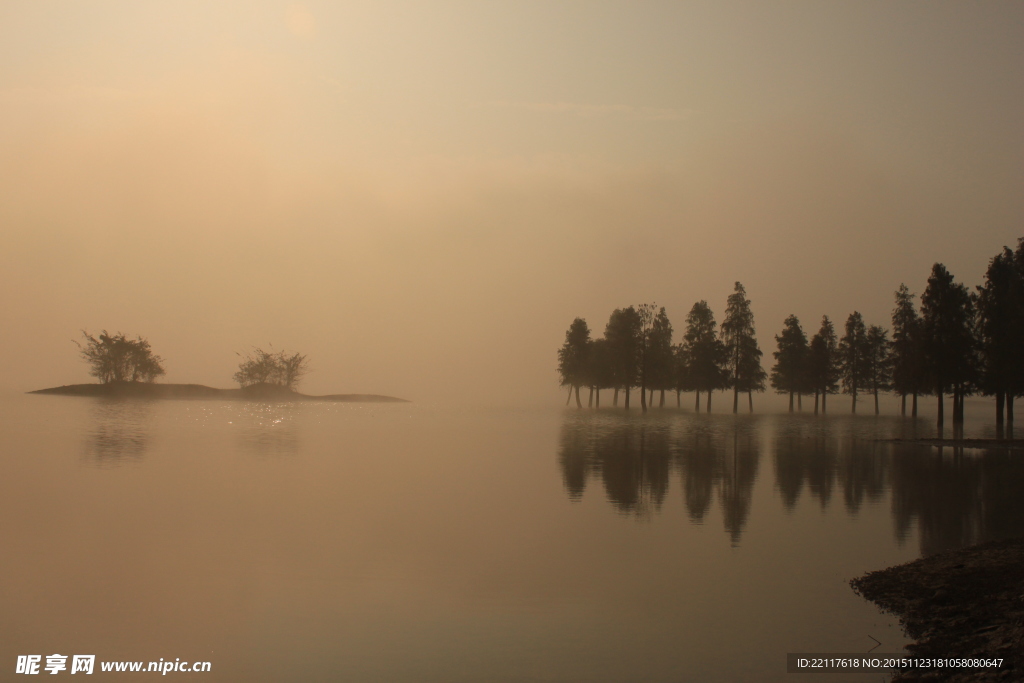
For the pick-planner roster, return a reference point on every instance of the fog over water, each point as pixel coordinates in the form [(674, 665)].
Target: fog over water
[(422, 196), (402, 542)]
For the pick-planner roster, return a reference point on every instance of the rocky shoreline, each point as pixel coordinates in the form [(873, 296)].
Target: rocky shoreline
[(964, 603)]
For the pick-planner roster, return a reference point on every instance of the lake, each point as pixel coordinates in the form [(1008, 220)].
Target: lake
[(407, 542)]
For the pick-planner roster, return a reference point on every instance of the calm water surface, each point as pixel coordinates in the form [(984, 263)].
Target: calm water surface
[(333, 542)]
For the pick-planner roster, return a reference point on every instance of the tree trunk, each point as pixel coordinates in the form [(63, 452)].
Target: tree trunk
[(853, 404), (643, 396), (903, 405), (627, 398), (661, 399), (876, 400), (578, 404), (569, 396), (679, 399), (800, 402), (816, 401), (940, 413), (1000, 403), (791, 401), (696, 406), (615, 398), (597, 398), (590, 401), (824, 395), (735, 397), (709, 399), (1009, 414), (913, 406), (750, 400)]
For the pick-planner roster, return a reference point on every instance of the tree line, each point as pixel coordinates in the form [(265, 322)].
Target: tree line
[(958, 342)]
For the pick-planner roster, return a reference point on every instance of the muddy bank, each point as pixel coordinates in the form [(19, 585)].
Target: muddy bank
[(966, 603), (265, 392), (1013, 444)]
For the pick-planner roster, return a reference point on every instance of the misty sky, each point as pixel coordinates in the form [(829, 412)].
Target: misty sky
[(422, 195)]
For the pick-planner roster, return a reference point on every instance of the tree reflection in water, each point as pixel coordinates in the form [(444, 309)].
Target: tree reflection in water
[(952, 498), (121, 431), (634, 460)]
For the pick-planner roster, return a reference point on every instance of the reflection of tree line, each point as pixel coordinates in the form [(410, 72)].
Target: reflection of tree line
[(954, 499), (635, 462)]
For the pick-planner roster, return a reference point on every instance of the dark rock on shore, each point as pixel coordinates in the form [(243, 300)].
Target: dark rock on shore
[(256, 392), (966, 603)]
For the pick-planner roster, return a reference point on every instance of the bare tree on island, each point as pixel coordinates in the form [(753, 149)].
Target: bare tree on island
[(789, 374), (115, 358), (572, 358), (853, 364), (823, 363), (947, 312), (744, 356), (906, 351), (277, 368)]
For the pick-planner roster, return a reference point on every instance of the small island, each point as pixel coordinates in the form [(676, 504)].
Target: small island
[(252, 392), (128, 368)]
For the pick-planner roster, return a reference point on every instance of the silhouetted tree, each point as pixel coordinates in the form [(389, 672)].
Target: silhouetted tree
[(853, 363), (705, 352), (599, 368), (947, 312), (1001, 330), (115, 358), (660, 362), (752, 376), (823, 363), (572, 357), (906, 351), (790, 370), (646, 315), (623, 337), (744, 357), (681, 370), (879, 371), (271, 367)]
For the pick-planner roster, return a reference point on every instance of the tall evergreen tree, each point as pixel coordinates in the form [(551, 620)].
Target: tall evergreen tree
[(790, 370), (823, 365), (660, 361), (623, 334), (572, 358), (599, 368), (681, 370), (1001, 329), (752, 375), (706, 354), (879, 372), (947, 312), (906, 351), (744, 357), (853, 351)]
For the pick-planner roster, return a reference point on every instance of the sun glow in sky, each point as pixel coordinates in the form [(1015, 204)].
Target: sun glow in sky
[(421, 196)]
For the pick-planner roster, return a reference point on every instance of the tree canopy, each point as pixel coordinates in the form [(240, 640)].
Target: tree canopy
[(271, 367), (116, 358)]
